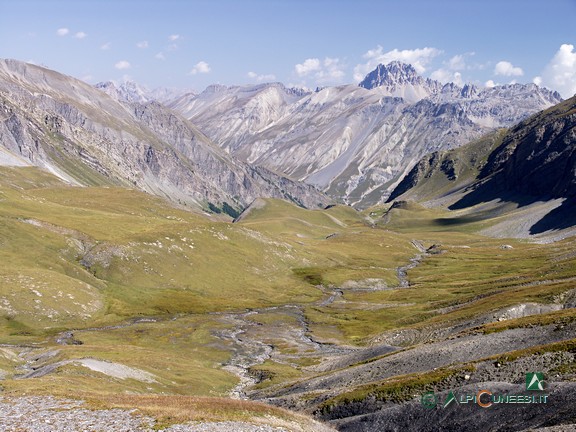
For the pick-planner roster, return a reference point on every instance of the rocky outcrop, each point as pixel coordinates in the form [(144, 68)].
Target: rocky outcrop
[(533, 162), (400, 79)]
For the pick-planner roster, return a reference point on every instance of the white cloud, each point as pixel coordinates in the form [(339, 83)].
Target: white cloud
[(329, 70), (142, 44), (457, 63), (122, 64), (560, 73), (537, 80), (308, 66), (200, 67), (332, 71), (105, 46), (62, 31), (446, 76), (80, 35), (160, 56), (490, 84), (505, 68), (174, 37), (419, 58), (450, 72), (262, 77)]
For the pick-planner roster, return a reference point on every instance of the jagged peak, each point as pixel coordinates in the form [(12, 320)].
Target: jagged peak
[(469, 90), (125, 91), (392, 74), (215, 88)]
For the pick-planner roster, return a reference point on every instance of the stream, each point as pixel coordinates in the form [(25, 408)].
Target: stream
[(249, 341)]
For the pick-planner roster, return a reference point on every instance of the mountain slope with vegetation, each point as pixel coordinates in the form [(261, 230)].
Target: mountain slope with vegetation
[(527, 174), (314, 310), (88, 138)]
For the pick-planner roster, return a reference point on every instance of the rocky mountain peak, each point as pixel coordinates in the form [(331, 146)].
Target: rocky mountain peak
[(126, 91), (469, 90), (391, 75)]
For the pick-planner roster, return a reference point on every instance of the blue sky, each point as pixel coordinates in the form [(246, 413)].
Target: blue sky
[(193, 43)]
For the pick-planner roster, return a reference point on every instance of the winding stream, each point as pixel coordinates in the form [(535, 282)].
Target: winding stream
[(250, 343)]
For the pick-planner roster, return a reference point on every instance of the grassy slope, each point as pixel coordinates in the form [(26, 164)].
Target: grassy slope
[(465, 161), (82, 257)]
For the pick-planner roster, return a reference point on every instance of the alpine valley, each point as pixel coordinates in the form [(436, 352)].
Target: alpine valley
[(357, 258)]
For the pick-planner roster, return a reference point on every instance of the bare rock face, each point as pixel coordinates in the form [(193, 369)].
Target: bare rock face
[(356, 142), (87, 137)]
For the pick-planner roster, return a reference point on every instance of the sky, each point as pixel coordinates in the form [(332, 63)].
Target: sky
[(190, 44)]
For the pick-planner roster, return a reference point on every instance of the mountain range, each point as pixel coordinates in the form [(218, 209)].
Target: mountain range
[(356, 142), (234, 144), (87, 137)]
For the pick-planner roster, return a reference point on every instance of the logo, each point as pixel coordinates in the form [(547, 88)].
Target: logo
[(485, 398), (535, 381), (429, 400), (449, 399)]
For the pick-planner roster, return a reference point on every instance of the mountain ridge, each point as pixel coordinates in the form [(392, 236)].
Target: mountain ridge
[(527, 172), (55, 121), (356, 143)]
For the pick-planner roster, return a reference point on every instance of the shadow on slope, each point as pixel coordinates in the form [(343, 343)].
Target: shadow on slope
[(560, 218), (492, 191)]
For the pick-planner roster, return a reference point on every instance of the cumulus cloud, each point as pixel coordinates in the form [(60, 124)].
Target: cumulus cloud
[(560, 73), (261, 77), (142, 44), (62, 31), (200, 68), (308, 66), (419, 58), (446, 76), (457, 63), (333, 70), (329, 70), (122, 64), (490, 84), (80, 35), (451, 69), (174, 37), (506, 68)]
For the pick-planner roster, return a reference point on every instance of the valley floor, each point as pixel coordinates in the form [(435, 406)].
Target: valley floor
[(288, 319)]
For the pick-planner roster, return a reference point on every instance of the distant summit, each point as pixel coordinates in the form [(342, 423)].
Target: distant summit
[(401, 80), (127, 91), (393, 74), (132, 92)]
